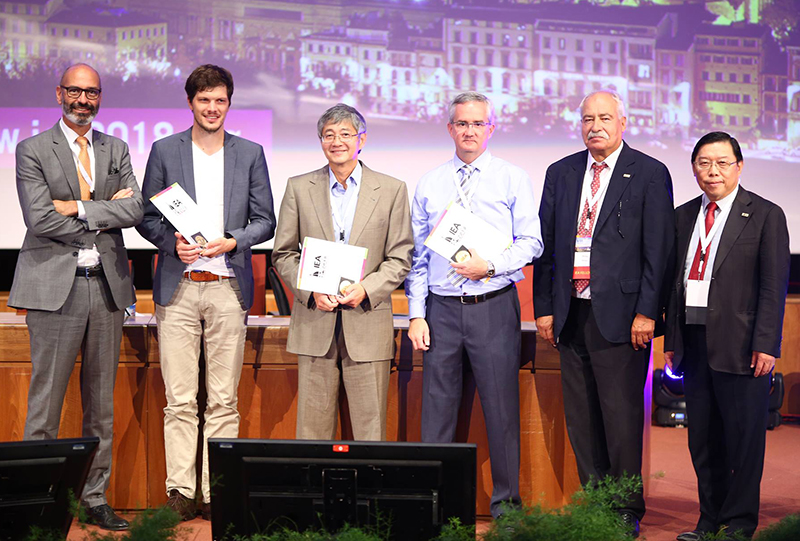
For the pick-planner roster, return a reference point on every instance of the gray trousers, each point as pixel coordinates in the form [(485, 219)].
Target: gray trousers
[(88, 321), (489, 334)]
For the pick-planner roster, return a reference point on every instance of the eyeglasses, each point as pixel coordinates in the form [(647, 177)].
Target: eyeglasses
[(345, 137), (462, 126), (722, 165), (75, 92)]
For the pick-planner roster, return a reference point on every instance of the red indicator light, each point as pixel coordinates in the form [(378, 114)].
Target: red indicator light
[(341, 448)]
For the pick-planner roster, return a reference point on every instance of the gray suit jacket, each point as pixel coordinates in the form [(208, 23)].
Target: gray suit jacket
[(248, 207), (382, 224), (49, 254)]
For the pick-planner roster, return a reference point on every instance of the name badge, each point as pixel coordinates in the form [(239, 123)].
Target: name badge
[(581, 269), (697, 301)]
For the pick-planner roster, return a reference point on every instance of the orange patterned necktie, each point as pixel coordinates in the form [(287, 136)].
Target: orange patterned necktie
[(83, 157)]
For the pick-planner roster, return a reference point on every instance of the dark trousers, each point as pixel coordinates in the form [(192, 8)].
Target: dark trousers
[(603, 386), (87, 322), (489, 333), (727, 437)]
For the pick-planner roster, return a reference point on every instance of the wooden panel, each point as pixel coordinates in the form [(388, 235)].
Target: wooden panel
[(156, 462), (128, 472)]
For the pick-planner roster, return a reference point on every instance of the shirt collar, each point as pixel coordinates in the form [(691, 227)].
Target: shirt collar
[(355, 176), (725, 203), (611, 161), (480, 163), (71, 135)]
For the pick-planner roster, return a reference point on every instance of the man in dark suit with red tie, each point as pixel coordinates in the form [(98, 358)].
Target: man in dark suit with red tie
[(608, 228), (724, 324)]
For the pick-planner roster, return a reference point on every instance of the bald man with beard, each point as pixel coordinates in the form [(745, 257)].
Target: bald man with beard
[(77, 191)]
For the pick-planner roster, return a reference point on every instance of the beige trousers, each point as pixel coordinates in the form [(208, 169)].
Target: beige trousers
[(211, 311), (366, 385)]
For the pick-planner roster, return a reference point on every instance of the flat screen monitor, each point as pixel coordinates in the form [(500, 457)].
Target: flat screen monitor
[(413, 489), (36, 480)]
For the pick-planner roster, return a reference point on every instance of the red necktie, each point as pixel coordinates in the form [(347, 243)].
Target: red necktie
[(584, 228), (694, 272)]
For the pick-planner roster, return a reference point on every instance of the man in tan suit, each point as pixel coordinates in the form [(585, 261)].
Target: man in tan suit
[(350, 335)]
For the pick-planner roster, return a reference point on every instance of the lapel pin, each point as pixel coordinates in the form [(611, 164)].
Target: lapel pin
[(627, 175), (746, 214)]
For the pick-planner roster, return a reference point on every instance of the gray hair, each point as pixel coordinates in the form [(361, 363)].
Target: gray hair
[(466, 97), (342, 113), (617, 98)]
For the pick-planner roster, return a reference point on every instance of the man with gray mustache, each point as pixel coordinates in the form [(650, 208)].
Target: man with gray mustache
[(608, 228)]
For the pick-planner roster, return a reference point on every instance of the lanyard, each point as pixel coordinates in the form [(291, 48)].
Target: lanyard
[(466, 198), (705, 240), (338, 220)]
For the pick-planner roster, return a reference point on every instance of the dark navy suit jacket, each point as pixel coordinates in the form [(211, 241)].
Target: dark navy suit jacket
[(631, 244), (249, 217)]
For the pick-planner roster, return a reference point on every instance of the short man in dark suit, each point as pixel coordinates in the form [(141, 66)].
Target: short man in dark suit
[(608, 229), (723, 331), (204, 292), (77, 191)]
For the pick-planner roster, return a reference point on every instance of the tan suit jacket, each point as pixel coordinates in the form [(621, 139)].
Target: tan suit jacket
[(382, 224)]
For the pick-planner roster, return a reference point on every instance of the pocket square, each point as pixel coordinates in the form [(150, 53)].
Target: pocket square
[(113, 170)]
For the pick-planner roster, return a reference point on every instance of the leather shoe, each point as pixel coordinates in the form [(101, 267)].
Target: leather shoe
[(183, 506), (632, 523), (105, 517), (205, 510), (694, 535)]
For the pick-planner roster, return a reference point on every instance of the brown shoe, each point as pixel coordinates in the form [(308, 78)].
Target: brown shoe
[(183, 506), (205, 510)]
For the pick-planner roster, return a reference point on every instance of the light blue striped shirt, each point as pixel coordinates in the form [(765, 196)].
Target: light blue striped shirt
[(503, 197)]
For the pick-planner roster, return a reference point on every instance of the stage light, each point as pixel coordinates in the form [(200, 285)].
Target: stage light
[(669, 399)]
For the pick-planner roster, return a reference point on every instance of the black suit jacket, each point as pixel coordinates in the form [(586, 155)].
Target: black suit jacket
[(748, 289), (631, 245)]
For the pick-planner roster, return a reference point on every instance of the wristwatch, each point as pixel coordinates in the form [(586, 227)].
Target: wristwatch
[(489, 269)]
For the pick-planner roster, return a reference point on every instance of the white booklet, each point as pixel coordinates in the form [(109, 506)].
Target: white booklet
[(184, 215), (459, 230), (330, 267)]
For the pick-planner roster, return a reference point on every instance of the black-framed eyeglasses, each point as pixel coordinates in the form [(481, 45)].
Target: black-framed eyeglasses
[(75, 92)]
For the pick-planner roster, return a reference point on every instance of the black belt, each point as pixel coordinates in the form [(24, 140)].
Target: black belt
[(88, 272), (474, 299)]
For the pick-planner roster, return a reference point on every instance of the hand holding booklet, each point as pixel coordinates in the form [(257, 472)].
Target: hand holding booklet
[(184, 215), (459, 230), (330, 267)]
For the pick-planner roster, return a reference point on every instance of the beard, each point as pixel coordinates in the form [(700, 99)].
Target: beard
[(79, 119)]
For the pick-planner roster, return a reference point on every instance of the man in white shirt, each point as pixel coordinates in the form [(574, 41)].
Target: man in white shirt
[(77, 190), (204, 292)]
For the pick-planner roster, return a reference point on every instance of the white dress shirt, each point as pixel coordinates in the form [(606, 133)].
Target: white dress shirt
[(87, 257), (586, 194), (720, 216)]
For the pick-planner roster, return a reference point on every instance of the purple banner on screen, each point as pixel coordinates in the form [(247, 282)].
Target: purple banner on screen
[(138, 127)]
